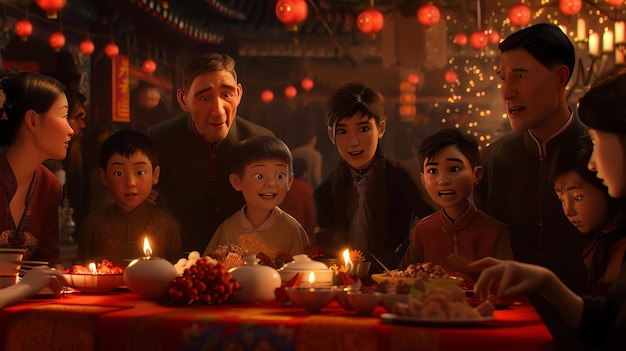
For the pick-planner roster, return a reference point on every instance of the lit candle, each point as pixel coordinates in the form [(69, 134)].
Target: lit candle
[(581, 29), (347, 263), (607, 40), (149, 276), (311, 280), (92, 268), (147, 249), (594, 44), (620, 31)]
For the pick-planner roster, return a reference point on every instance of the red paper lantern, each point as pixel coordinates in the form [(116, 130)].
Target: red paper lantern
[(370, 21), (615, 2), (519, 15), (149, 66), (291, 12), (148, 97), (51, 7), (267, 95), (413, 78), (493, 36), (111, 50), (460, 39), (86, 47), (291, 92), (57, 41), (479, 39), (307, 84), (451, 76), (428, 15), (23, 29), (570, 7)]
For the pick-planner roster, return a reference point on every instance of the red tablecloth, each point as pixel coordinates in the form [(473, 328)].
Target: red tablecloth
[(124, 321)]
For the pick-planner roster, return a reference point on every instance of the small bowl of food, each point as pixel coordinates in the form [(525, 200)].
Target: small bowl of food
[(94, 283), (363, 302), (312, 300)]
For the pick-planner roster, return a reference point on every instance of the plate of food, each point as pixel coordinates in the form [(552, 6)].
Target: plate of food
[(428, 282), (391, 318)]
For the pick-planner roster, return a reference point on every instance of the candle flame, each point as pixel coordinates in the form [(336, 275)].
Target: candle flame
[(311, 278), (347, 263), (92, 268), (147, 250)]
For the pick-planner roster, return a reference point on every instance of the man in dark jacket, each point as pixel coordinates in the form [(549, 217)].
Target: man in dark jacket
[(535, 65), (194, 150)]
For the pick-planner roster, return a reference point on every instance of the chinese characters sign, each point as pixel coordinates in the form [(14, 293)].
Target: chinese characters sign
[(121, 89)]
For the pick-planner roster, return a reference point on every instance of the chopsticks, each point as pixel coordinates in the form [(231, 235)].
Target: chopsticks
[(381, 264)]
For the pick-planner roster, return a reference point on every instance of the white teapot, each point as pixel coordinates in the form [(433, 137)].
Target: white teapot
[(257, 282)]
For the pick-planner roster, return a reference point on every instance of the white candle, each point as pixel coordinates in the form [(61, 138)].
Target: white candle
[(607, 41), (594, 44), (581, 29), (620, 31)]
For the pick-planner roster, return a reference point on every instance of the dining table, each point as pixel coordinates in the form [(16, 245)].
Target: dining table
[(121, 320)]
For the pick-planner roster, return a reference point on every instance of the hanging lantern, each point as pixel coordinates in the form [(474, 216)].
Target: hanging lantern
[(291, 12), (267, 95), (519, 15), (23, 29), (406, 87), (57, 41), (493, 36), (413, 78), (370, 21), (86, 47), (407, 98), (111, 50), (460, 39), (307, 84), (451, 76), (291, 92), (407, 110), (51, 7), (428, 15), (615, 2), (479, 40), (149, 66), (148, 96), (570, 7)]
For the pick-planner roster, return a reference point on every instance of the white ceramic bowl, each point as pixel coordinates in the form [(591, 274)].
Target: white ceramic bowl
[(94, 283), (364, 302), (312, 300)]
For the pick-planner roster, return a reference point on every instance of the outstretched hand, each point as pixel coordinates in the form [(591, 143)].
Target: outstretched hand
[(42, 276), (508, 278)]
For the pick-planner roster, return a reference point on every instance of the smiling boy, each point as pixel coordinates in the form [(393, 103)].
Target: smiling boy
[(262, 172), (449, 173), (129, 167)]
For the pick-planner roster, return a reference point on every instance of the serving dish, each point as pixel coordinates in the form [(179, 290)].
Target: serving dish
[(94, 283)]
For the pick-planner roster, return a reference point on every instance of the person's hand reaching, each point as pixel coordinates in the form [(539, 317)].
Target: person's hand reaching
[(42, 276), (508, 278)]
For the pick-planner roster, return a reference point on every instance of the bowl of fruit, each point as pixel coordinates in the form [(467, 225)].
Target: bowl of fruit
[(99, 278)]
